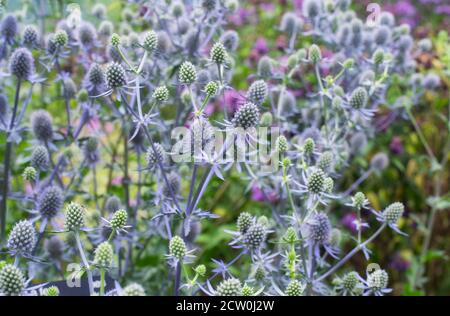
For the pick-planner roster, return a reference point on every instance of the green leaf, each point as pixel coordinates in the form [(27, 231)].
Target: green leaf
[(439, 203)]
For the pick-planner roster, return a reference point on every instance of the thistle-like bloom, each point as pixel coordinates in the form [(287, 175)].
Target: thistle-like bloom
[(30, 36), (379, 161), (22, 238), (315, 181), (255, 236), (315, 55), (12, 280), (74, 216), (39, 158), (377, 283), (119, 220), (29, 174), (229, 287), (150, 42), (161, 94), (104, 255), (113, 204), (187, 73), (177, 248), (115, 76), (257, 92), (9, 28), (247, 116), (154, 156), (50, 202), (21, 64), (42, 125), (133, 289), (218, 54), (295, 288)]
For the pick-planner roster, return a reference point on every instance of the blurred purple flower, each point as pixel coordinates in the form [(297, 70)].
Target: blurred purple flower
[(399, 263), (405, 11), (396, 145)]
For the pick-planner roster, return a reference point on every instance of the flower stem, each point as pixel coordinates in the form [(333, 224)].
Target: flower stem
[(7, 162)]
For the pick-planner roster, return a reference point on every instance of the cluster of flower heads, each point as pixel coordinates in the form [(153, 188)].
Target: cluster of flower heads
[(180, 58)]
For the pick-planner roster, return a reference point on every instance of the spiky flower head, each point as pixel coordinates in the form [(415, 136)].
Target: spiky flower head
[(315, 181), (51, 291), (218, 54), (295, 288), (9, 27), (104, 254), (54, 247), (42, 125), (91, 150), (266, 119), (30, 36), (99, 11), (50, 202), (328, 185), (74, 216), (177, 9), (161, 94), (351, 281), (247, 290), (69, 89), (113, 204), (211, 88), (22, 238), (379, 161), (290, 23), (290, 236), (325, 161), (187, 73), (87, 34), (21, 64), (174, 181), (315, 55), (282, 144), (246, 116), (431, 81), (257, 92), (244, 221), (382, 35), (229, 287), (359, 199), (359, 98), (209, 5), (61, 38), (255, 236), (153, 156), (96, 75), (309, 146), (177, 247), (311, 8), (378, 280), (12, 280), (378, 56), (200, 269), (320, 229), (393, 212), (119, 219), (150, 42), (39, 158), (265, 67), (115, 40), (105, 29), (115, 76), (133, 289), (230, 40), (29, 174)]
